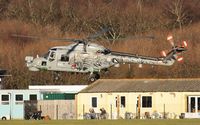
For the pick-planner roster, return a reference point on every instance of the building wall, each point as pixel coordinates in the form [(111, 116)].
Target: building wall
[(172, 103), (14, 108)]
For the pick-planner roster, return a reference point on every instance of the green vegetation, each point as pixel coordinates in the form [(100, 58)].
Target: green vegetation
[(105, 122)]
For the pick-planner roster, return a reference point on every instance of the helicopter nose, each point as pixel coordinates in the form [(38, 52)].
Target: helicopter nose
[(32, 63), (33, 69), (29, 60)]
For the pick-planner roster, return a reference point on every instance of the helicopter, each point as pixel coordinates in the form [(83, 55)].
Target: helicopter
[(83, 56)]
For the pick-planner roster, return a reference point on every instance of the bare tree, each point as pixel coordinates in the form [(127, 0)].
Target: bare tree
[(139, 5), (177, 13), (3, 7)]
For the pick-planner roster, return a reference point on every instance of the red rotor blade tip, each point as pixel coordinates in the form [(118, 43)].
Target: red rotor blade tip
[(180, 59), (163, 53), (184, 44), (170, 37)]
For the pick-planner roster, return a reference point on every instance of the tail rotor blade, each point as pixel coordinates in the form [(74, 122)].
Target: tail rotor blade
[(163, 53), (170, 39), (184, 44), (180, 59), (98, 34)]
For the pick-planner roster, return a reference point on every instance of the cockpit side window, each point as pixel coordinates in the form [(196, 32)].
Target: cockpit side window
[(64, 58), (52, 56), (46, 55)]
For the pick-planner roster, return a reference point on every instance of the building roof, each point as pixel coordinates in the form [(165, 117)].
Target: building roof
[(6, 91), (143, 85), (61, 88)]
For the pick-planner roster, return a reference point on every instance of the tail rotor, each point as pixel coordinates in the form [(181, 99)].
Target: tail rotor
[(175, 52)]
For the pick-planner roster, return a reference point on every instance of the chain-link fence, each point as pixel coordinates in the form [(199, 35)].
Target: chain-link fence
[(68, 109), (162, 111)]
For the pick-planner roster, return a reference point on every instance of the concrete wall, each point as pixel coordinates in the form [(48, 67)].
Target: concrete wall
[(172, 103)]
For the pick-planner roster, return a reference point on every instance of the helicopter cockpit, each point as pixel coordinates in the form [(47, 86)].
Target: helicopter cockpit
[(50, 55), (46, 55)]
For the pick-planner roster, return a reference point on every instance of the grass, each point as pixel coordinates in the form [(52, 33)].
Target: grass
[(104, 122)]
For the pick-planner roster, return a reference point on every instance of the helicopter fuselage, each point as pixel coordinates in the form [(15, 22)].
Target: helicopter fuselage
[(57, 59), (91, 59)]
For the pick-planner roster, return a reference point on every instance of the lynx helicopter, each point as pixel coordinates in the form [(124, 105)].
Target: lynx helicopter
[(86, 57)]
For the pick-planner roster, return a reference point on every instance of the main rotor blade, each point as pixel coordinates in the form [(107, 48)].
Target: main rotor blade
[(25, 36), (72, 49), (94, 36), (49, 39), (5, 75), (63, 39), (139, 37)]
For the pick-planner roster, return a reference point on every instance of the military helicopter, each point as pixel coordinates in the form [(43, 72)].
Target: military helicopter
[(84, 56)]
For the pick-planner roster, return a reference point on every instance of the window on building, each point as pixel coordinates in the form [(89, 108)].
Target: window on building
[(94, 102), (146, 101), (123, 101), (198, 103), (192, 104), (5, 99), (33, 97), (18, 97)]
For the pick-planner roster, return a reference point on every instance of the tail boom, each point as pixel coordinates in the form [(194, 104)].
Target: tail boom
[(142, 60)]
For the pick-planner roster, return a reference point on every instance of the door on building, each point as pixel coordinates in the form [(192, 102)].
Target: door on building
[(193, 104)]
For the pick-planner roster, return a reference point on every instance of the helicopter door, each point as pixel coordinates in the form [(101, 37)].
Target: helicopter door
[(63, 61), (64, 58)]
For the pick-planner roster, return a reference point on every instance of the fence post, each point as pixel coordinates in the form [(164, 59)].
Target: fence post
[(56, 112), (76, 107), (83, 110), (40, 108), (110, 111), (118, 107), (138, 105), (164, 113)]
